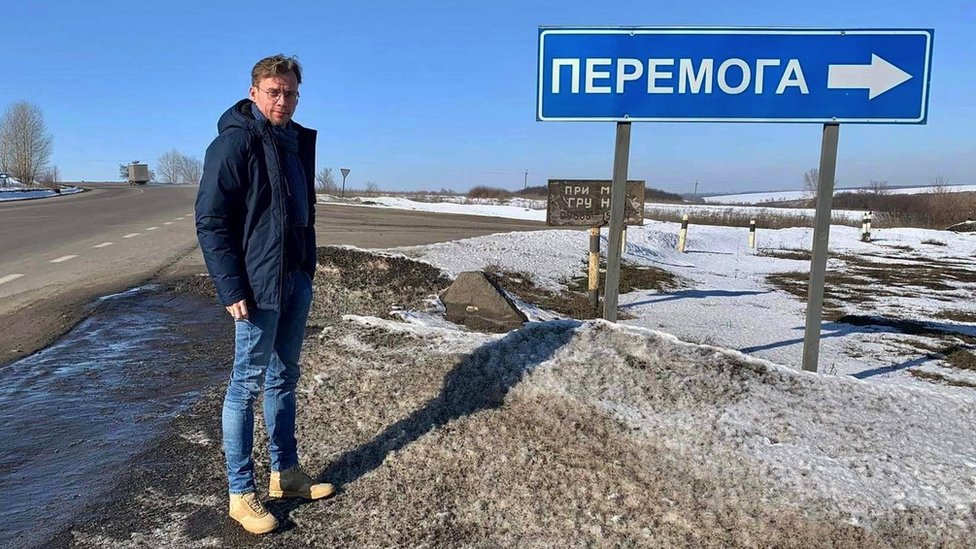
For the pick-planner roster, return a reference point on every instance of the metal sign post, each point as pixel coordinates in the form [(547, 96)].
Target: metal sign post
[(821, 236), (345, 172), (621, 159)]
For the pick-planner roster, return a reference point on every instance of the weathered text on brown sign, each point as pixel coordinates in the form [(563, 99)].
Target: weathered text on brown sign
[(586, 202)]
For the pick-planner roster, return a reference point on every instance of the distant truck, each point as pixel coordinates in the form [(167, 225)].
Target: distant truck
[(138, 174)]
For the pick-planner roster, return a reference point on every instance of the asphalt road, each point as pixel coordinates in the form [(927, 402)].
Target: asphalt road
[(59, 254)]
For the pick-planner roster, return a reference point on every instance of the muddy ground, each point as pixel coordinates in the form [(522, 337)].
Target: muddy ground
[(45, 320), (437, 440)]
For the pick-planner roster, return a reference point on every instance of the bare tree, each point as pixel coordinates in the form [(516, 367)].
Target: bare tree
[(50, 177), (879, 188), (176, 167), (811, 182), (940, 185), (124, 171), (372, 189), (168, 167), (325, 181), (191, 169), (25, 144)]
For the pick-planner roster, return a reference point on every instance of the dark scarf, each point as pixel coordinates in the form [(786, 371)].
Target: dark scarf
[(286, 139)]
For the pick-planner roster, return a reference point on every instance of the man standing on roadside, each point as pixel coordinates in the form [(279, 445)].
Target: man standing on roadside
[(255, 212)]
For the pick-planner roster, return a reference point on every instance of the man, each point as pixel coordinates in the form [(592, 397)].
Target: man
[(255, 212)]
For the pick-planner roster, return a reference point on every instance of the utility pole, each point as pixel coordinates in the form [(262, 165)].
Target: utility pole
[(696, 188), (525, 183)]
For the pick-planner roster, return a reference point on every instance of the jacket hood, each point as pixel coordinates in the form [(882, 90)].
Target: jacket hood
[(238, 116)]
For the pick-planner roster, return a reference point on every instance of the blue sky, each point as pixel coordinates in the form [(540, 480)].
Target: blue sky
[(431, 94)]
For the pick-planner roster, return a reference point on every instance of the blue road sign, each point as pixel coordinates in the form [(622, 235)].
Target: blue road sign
[(734, 75)]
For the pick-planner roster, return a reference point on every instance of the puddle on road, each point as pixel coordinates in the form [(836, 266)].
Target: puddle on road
[(74, 413)]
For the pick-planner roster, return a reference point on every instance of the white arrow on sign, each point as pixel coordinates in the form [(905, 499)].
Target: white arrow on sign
[(878, 77)]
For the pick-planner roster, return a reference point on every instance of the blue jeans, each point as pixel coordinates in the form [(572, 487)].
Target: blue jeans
[(266, 351)]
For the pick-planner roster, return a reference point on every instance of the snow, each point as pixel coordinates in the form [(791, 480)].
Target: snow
[(864, 448), (532, 210), (725, 299), (11, 194), (535, 210), (776, 196), (863, 433)]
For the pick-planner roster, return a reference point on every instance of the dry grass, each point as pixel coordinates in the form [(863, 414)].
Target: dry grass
[(957, 315), (935, 210), (785, 253), (938, 378), (960, 356), (900, 247), (840, 289), (574, 302), (489, 192), (731, 217), (522, 285), (860, 280), (632, 278), (356, 282)]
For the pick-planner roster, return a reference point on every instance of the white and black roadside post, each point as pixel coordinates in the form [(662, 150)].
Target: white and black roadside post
[(821, 237), (752, 234), (594, 270), (864, 227), (870, 215), (618, 196), (683, 234), (345, 172)]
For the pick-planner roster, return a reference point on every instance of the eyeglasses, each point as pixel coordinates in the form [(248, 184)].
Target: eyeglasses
[(274, 93)]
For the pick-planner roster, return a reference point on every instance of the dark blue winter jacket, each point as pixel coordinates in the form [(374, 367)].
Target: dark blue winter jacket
[(247, 238)]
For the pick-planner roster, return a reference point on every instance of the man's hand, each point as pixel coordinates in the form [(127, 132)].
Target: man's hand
[(238, 310)]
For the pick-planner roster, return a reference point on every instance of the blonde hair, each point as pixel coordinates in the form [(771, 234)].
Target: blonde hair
[(269, 67)]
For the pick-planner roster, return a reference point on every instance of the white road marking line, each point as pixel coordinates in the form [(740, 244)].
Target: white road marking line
[(63, 259), (180, 218), (168, 223), (130, 235), (9, 278), (151, 228), (103, 244)]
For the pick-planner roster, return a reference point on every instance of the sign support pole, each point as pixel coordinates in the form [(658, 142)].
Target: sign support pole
[(594, 270), (345, 172), (618, 195), (821, 236)]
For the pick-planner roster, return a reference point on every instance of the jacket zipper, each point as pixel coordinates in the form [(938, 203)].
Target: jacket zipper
[(281, 210)]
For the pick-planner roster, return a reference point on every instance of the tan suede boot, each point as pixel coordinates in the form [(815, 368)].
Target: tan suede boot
[(294, 483), (248, 510)]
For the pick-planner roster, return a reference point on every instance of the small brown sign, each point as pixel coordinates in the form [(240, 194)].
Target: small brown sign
[(586, 202)]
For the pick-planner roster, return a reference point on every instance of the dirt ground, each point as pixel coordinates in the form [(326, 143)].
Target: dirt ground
[(441, 440)]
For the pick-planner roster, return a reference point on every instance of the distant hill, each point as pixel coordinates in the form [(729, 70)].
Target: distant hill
[(778, 196)]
